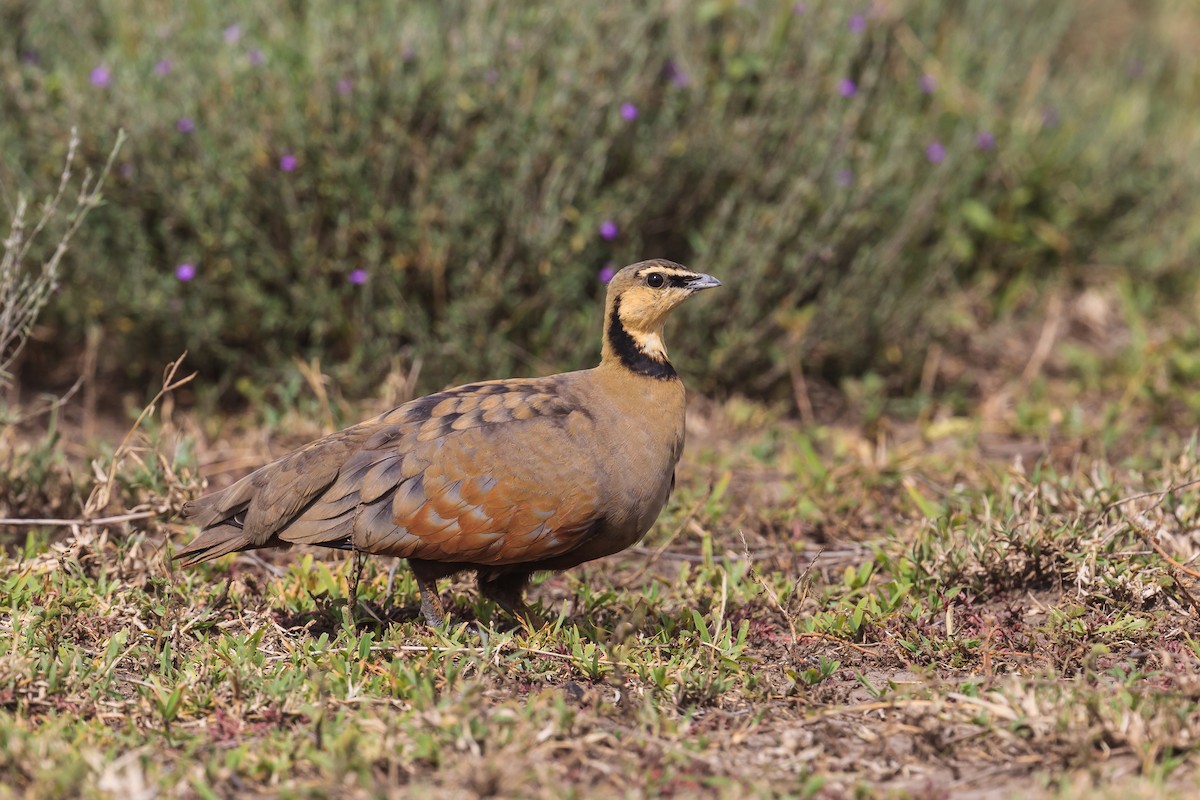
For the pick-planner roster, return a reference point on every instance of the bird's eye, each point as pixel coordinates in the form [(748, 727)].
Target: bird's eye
[(655, 280)]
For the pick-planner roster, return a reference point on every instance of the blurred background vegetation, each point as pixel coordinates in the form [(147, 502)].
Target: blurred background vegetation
[(383, 184)]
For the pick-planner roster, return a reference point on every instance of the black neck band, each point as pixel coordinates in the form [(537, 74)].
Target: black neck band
[(633, 357)]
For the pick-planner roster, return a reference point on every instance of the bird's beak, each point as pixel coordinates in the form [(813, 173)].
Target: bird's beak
[(701, 281)]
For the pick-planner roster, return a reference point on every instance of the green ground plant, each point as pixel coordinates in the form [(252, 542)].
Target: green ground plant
[(386, 184), (1036, 628)]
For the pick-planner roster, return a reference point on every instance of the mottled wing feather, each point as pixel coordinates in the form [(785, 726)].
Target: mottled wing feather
[(497, 496), (289, 485)]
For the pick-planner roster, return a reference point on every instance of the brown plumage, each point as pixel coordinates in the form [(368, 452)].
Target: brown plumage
[(502, 477)]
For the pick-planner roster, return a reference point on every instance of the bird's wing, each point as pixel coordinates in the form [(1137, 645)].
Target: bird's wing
[(491, 473)]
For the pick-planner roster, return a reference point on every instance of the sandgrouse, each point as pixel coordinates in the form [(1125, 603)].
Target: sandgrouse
[(504, 477)]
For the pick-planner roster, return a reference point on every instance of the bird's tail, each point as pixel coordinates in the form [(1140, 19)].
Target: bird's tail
[(221, 517), (215, 542)]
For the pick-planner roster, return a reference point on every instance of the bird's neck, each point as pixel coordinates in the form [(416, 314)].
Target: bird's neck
[(638, 349)]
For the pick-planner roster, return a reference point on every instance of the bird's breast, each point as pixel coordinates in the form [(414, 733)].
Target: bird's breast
[(643, 439)]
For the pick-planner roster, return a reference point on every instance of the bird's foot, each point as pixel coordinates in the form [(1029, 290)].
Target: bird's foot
[(522, 613), (432, 609), (532, 620)]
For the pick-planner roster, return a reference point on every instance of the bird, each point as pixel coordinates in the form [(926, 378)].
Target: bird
[(502, 477)]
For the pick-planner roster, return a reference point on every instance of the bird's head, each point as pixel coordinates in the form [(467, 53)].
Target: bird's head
[(640, 297)]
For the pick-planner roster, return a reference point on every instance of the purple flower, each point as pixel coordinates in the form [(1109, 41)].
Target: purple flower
[(101, 76), (629, 112), (162, 68), (1050, 117), (491, 76), (185, 125), (606, 272), (345, 86), (935, 152), (287, 162), (799, 8), (676, 75), (847, 87), (358, 277), (233, 33), (608, 230), (257, 57), (844, 177), (985, 140), (30, 57), (858, 23), (408, 54), (185, 272), (126, 170), (927, 84)]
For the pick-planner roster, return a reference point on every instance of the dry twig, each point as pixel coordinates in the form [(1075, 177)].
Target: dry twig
[(22, 296)]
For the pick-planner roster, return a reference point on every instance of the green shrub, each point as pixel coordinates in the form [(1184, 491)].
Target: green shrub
[(463, 156)]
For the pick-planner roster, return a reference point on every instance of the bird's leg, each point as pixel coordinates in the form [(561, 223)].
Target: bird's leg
[(352, 594), (431, 605), (387, 592), (427, 574), (507, 591)]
